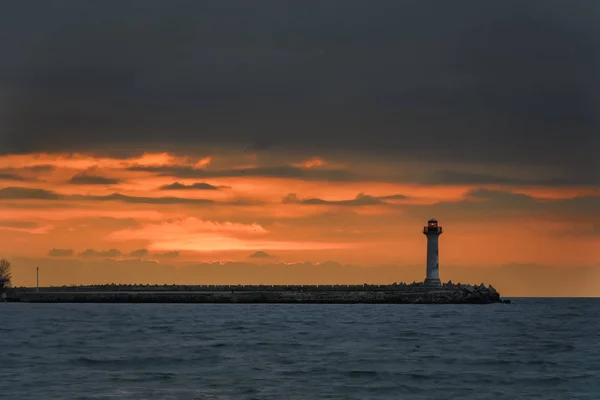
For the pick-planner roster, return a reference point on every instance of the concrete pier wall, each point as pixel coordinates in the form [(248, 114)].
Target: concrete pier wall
[(392, 294), (223, 297), (226, 288)]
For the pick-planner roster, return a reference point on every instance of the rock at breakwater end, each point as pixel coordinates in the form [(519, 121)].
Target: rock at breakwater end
[(397, 293)]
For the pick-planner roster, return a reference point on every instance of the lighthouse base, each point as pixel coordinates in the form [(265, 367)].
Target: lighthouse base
[(433, 282)]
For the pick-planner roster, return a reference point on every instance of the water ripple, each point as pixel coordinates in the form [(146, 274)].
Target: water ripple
[(534, 348)]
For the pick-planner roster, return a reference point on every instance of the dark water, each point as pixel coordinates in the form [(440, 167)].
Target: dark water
[(531, 349)]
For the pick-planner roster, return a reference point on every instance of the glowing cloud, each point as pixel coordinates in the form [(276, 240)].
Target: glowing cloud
[(192, 234), (311, 163), (203, 163)]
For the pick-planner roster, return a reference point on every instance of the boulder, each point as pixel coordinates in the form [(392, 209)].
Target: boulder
[(469, 289)]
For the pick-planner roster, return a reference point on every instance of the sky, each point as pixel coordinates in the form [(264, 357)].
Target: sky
[(301, 142)]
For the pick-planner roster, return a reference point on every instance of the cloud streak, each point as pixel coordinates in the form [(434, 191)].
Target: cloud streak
[(10, 176), (84, 178), (139, 253), (169, 254), (260, 254), (91, 253), (61, 253), (193, 186), (22, 193), (360, 200), (284, 172)]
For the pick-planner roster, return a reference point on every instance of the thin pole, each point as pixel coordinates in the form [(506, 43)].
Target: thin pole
[(37, 278)]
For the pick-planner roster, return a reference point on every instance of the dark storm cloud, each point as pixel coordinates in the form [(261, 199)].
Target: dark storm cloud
[(283, 171), (193, 186), (61, 253), (91, 253), (83, 178), (511, 81), (360, 200)]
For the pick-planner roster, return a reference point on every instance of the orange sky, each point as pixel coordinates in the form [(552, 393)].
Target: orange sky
[(57, 206)]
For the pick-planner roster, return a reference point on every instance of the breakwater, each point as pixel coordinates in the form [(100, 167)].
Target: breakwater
[(416, 293)]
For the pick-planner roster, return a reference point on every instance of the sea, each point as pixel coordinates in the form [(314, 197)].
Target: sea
[(530, 349)]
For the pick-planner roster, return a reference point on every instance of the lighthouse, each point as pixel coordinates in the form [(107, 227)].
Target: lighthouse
[(433, 232)]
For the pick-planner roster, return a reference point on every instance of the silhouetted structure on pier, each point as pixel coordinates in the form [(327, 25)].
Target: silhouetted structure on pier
[(433, 231)]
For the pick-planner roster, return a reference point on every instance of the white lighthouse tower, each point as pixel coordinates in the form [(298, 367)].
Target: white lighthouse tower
[(433, 232)]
